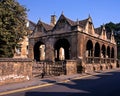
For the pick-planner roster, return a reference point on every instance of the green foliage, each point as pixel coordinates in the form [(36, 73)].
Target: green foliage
[(112, 26), (12, 26), (116, 29)]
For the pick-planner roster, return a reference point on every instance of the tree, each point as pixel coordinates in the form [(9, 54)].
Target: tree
[(12, 26), (116, 29)]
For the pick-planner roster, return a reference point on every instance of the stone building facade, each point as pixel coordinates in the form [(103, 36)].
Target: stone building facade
[(22, 50), (66, 39)]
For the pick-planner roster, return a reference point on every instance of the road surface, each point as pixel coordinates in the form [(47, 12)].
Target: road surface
[(105, 84)]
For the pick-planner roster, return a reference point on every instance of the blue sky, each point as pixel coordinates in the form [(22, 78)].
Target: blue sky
[(101, 11)]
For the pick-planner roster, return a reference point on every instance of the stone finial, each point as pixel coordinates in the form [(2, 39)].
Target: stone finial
[(112, 33), (89, 16), (77, 21), (62, 13)]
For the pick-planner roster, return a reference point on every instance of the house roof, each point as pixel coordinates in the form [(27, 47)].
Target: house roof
[(82, 23), (31, 25), (71, 22), (98, 30), (46, 26)]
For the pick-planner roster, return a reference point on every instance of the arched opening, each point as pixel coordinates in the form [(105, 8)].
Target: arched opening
[(39, 51), (108, 52), (89, 49), (103, 51), (62, 49), (112, 53), (97, 50)]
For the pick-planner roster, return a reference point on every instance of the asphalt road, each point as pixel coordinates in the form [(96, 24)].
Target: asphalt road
[(106, 84)]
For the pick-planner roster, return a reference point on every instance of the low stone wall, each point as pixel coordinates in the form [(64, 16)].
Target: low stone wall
[(71, 67), (98, 67), (15, 70)]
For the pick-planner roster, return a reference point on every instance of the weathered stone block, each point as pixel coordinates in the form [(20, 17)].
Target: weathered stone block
[(15, 70), (71, 67)]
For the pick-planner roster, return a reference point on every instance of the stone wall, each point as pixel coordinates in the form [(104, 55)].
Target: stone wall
[(71, 67), (15, 70), (99, 67)]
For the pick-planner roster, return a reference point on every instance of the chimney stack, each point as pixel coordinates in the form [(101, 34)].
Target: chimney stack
[(53, 20)]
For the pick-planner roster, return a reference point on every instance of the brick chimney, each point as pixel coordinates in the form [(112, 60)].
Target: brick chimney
[(53, 20)]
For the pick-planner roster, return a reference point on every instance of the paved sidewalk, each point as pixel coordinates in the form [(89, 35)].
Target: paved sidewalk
[(45, 81)]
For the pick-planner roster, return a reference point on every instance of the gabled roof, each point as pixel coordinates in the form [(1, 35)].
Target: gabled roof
[(31, 22), (98, 30), (46, 26), (108, 35), (83, 23), (31, 25), (71, 22)]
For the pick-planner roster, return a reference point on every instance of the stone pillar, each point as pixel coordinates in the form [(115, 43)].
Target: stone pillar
[(80, 45), (74, 45), (49, 51), (71, 67), (42, 52), (30, 49), (61, 54)]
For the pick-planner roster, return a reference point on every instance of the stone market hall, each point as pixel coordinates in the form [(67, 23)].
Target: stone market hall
[(67, 40)]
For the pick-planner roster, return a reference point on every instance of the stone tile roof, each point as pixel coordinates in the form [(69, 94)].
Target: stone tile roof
[(83, 23), (31, 25), (98, 30), (71, 22), (46, 26)]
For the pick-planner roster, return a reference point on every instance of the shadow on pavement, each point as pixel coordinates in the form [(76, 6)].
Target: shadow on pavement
[(106, 84)]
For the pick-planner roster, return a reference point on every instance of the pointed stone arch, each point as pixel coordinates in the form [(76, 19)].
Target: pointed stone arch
[(103, 51), (39, 51), (60, 46), (89, 48), (108, 51), (112, 53), (97, 50)]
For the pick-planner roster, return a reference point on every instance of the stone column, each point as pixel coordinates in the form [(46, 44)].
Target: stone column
[(49, 51), (61, 54), (42, 52), (30, 49), (71, 67)]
